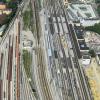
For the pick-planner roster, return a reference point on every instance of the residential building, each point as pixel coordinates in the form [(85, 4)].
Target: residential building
[(7, 11), (2, 6)]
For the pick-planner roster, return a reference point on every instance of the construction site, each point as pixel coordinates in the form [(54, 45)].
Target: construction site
[(93, 74)]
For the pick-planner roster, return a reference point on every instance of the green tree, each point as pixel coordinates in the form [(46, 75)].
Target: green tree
[(92, 53), (97, 1), (27, 61), (95, 28), (98, 9)]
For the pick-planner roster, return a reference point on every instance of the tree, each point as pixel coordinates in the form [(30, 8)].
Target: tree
[(13, 5), (97, 1), (95, 28), (92, 53), (98, 9)]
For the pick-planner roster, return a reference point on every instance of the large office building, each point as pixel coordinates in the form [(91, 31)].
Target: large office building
[(87, 1), (84, 13)]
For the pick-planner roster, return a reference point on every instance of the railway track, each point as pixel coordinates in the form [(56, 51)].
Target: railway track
[(64, 89), (83, 81), (44, 86), (84, 84), (42, 75), (81, 94), (17, 68)]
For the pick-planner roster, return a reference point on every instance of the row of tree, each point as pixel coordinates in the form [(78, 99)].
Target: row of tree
[(95, 28), (97, 1)]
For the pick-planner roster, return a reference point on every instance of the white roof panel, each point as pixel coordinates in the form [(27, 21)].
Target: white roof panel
[(58, 19), (55, 27), (49, 52), (86, 61), (63, 19), (65, 28), (60, 26), (54, 20)]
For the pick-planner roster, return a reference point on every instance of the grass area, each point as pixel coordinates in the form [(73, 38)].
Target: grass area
[(32, 27), (95, 28), (8, 0), (27, 61), (29, 19), (26, 19)]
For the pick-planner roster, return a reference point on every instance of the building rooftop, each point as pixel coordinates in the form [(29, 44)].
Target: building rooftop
[(79, 32), (83, 10), (83, 45), (2, 6), (75, 42), (86, 57), (99, 56), (92, 40)]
